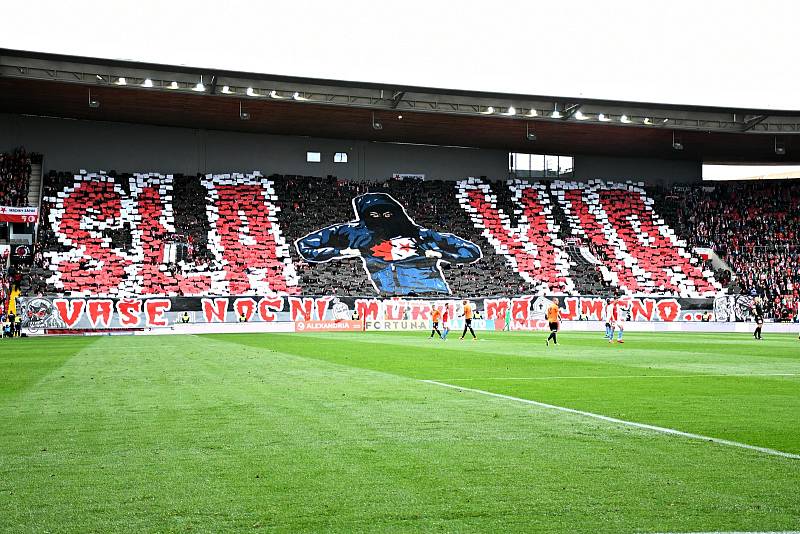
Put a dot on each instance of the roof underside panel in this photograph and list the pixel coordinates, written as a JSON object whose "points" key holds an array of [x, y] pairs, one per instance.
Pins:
{"points": [[289, 117]]}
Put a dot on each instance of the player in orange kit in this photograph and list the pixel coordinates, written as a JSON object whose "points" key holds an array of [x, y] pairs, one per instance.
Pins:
{"points": [[468, 320], [436, 316], [553, 316]]}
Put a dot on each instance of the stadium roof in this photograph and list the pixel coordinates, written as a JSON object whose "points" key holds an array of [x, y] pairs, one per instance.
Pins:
{"points": [[112, 90]]}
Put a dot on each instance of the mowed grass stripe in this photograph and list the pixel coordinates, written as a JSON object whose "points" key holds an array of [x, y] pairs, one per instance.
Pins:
{"points": [[25, 361], [757, 410], [673, 345], [613, 420], [190, 433], [681, 351]]}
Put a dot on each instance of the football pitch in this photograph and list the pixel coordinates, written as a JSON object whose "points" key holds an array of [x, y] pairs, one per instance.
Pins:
{"points": [[396, 432]]}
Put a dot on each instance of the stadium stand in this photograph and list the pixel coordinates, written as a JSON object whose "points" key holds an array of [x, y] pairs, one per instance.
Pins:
{"points": [[755, 228], [132, 243], [15, 175], [527, 245], [10, 282], [126, 235], [613, 227], [639, 251], [234, 234], [313, 203], [5, 281], [300, 204]]}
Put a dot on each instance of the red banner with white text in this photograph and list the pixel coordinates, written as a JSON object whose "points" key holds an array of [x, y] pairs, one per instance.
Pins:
{"points": [[331, 313], [18, 214]]}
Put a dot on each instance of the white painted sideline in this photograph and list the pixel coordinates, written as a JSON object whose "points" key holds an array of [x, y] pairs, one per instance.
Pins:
{"points": [[258, 327], [683, 326], [219, 328], [593, 377], [654, 428]]}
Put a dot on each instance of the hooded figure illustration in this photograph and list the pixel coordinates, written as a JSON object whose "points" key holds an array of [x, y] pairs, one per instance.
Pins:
{"points": [[400, 256]]}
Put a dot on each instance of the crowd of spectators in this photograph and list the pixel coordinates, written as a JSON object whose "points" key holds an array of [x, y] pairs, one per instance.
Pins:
{"points": [[5, 282], [15, 175], [755, 228], [34, 281], [10, 280], [308, 204], [10, 324]]}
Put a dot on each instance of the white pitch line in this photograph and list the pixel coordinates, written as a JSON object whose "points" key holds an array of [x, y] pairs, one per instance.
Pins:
{"points": [[663, 430], [592, 377], [737, 532]]}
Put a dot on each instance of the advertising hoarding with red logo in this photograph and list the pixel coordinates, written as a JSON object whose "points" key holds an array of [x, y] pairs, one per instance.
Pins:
{"points": [[328, 326]]}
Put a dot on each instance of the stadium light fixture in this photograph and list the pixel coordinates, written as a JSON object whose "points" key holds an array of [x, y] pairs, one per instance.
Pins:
{"points": [[624, 119], [556, 114], [147, 83], [297, 96], [666, 120], [580, 116], [532, 113], [530, 135], [121, 81], [511, 111], [602, 118], [488, 111], [93, 102], [199, 87], [780, 147], [400, 117], [251, 92], [226, 90], [173, 85], [243, 115], [274, 94], [677, 144], [647, 121]]}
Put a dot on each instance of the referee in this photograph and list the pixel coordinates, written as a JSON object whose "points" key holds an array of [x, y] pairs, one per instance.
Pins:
{"points": [[759, 317]]}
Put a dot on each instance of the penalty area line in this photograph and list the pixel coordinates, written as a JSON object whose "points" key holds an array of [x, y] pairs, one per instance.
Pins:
{"points": [[614, 420]]}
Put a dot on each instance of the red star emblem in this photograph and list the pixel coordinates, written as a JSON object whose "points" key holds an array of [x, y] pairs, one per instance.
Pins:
{"points": [[399, 248]]}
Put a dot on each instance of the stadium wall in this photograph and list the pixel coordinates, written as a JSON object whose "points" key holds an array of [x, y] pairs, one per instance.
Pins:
{"points": [[76, 144], [661, 171], [92, 145]]}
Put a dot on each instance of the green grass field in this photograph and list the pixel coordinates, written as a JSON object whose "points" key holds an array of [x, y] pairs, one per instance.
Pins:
{"points": [[340, 432]]}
